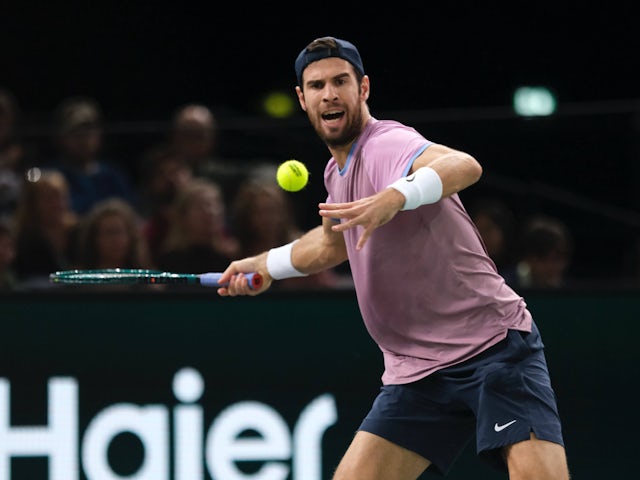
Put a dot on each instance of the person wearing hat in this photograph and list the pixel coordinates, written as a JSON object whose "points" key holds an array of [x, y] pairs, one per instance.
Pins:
{"points": [[79, 140], [462, 354]]}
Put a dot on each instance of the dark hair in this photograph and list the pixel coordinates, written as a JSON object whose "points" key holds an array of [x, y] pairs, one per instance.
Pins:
{"points": [[502, 217], [137, 256], [543, 236]]}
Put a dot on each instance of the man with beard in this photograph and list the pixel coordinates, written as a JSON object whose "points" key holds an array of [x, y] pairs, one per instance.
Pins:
{"points": [[462, 354]]}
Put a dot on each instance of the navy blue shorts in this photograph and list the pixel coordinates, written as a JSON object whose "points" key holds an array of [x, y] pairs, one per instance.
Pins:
{"points": [[500, 396]]}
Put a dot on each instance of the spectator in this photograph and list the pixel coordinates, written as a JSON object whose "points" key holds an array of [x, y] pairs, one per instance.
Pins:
{"points": [[547, 247], [15, 155], [110, 237], [198, 239], [194, 137], [496, 224], [45, 228], [8, 279], [263, 218], [164, 176], [79, 140]]}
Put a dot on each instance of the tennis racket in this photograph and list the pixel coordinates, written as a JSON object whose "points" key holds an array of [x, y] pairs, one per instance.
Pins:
{"points": [[122, 276]]}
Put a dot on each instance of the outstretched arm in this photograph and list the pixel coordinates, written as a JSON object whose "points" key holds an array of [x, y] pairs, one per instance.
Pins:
{"points": [[447, 172], [317, 250]]}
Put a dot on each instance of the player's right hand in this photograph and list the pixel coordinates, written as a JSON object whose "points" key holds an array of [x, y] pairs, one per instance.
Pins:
{"points": [[237, 281]]}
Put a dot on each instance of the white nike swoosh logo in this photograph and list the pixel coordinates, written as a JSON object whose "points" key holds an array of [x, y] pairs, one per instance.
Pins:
{"points": [[499, 428]]}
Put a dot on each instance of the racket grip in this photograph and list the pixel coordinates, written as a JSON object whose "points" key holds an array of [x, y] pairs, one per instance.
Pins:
{"points": [[213, 280]]}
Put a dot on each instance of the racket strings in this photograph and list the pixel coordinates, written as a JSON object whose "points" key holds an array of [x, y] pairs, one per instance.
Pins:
{"points": [[120, 276]]}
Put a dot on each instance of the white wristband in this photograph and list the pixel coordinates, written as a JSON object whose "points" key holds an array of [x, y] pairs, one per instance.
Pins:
{"points": [[279, 263], [420, 188]]}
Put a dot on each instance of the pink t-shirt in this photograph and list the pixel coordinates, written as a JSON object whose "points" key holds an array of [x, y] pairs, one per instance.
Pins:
{"points": [[429, 294]]}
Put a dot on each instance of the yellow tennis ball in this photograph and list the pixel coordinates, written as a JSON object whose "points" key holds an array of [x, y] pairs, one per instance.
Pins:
{"points": [[292, 175]]}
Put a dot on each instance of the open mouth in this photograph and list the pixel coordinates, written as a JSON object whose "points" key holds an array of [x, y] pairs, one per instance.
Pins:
{"points": [[332, 115]]}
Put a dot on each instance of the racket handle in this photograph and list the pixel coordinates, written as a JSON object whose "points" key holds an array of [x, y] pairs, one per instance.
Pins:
{"points": [[213, 280]]}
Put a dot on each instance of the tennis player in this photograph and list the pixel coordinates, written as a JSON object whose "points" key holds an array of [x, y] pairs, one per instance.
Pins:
{"points": [[462, 354]]}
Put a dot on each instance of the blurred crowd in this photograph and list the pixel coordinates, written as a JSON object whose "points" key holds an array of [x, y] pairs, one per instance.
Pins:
{"points": [[190, 211]]}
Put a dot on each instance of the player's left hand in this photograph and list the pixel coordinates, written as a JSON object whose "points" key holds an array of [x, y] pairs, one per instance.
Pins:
{"points": [[369, 212]]}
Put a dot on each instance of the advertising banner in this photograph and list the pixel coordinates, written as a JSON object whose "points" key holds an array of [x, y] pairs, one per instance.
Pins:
{"points": [[168, 386]]}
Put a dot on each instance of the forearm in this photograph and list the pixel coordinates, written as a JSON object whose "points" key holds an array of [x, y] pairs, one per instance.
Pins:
{"points": [[438, 173], [318, 249], [457, 170]]}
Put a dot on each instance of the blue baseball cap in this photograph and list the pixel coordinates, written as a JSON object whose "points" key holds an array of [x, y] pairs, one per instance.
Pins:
{"points": [[345, 50]]}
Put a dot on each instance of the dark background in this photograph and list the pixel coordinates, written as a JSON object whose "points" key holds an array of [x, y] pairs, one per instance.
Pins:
{"points": [[449, 69], [141, 59]]}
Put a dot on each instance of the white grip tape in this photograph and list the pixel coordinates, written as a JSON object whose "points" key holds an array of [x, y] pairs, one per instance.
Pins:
{"points": [[422, 187], [279, 263]]}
